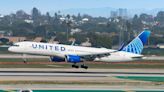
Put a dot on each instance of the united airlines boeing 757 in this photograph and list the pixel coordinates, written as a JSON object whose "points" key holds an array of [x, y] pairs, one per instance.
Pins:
{"points": [[76, 54]]}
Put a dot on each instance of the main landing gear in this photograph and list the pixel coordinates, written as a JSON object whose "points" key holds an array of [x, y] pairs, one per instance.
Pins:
{"points": [[24, 58], [81, 66], [75, 66], [84, 66]]}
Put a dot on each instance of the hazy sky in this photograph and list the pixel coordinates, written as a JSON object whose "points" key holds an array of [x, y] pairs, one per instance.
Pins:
{"points": [[8, 6]]}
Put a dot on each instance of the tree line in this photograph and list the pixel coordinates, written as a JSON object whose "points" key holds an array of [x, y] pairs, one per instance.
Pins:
{"points": [[101, 31]]}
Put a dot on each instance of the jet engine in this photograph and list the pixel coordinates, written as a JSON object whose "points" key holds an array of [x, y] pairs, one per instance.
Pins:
{"points": [[56, 59], [73, 58]]}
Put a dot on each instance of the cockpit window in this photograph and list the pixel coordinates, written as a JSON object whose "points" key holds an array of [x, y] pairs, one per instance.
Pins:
{"points": [[15, 45]]}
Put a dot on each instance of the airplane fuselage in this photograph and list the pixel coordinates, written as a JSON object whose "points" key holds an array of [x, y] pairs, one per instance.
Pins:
{"points": [[61, 50]]}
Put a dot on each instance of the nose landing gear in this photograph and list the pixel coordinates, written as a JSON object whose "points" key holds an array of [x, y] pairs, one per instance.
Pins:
{"points": [[24, 58]]}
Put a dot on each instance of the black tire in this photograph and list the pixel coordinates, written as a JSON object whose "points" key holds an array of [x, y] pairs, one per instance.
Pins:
{"points": [[76, 66], [73, 66], [83, 66]]}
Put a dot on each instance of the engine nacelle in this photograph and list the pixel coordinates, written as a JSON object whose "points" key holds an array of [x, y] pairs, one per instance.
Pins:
{"points": [[57, 59], [73, 59]]}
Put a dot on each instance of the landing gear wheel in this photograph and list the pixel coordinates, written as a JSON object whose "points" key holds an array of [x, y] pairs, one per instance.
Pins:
{"points": [[24, 61], [83, 66], [75, 66]]}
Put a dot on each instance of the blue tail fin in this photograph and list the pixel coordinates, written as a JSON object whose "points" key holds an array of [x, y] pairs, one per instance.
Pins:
{"points": [[136, 46]]}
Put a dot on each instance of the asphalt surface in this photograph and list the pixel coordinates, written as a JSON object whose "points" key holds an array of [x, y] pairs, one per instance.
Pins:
{"points": [[76, 74], [79, 72], [79, 75], [82, 87]]}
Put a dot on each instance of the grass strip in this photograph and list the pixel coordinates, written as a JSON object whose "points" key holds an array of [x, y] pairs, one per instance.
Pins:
{"points": [[141, 78]]}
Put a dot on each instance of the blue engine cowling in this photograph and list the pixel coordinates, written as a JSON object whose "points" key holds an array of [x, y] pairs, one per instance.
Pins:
{"points": [[57, 59], [73, 59]]}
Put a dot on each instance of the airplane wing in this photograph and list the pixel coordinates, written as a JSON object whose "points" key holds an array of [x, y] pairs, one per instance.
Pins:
{"points": [[96, 55]]}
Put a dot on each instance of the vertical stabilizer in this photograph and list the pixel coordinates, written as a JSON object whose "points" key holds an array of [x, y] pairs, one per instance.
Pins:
{"points": [[136, 46]]}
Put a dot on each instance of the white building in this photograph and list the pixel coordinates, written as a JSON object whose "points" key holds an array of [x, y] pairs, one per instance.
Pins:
{"points": [[161, 46], [28, 21], [85, 19], [76, 30]]}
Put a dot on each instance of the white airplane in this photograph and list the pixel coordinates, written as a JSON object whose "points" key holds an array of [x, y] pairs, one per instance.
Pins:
{"points": [[77, 54]]}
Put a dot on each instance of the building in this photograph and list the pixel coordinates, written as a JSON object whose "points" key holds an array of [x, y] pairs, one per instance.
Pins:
{"points": [[37, 39], [2, 33], [29, 21], [76, 30], [113, 14], [161, 46], [85, 19], [122, 13], [16, 39]]}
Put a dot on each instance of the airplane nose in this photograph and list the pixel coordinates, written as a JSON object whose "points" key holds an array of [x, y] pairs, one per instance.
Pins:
{"points": [[10, 49]]}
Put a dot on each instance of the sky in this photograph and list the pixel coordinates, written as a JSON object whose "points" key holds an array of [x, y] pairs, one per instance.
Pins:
{"points": [[10, 6]]}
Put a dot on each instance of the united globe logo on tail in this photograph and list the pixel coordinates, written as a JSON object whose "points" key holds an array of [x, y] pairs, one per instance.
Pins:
{"points": [[136, 46]]}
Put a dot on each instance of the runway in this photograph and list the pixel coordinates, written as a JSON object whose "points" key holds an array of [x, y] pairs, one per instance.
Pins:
{"points": [[51, 74], [76, 74], [78, 78], [79, 72]]}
